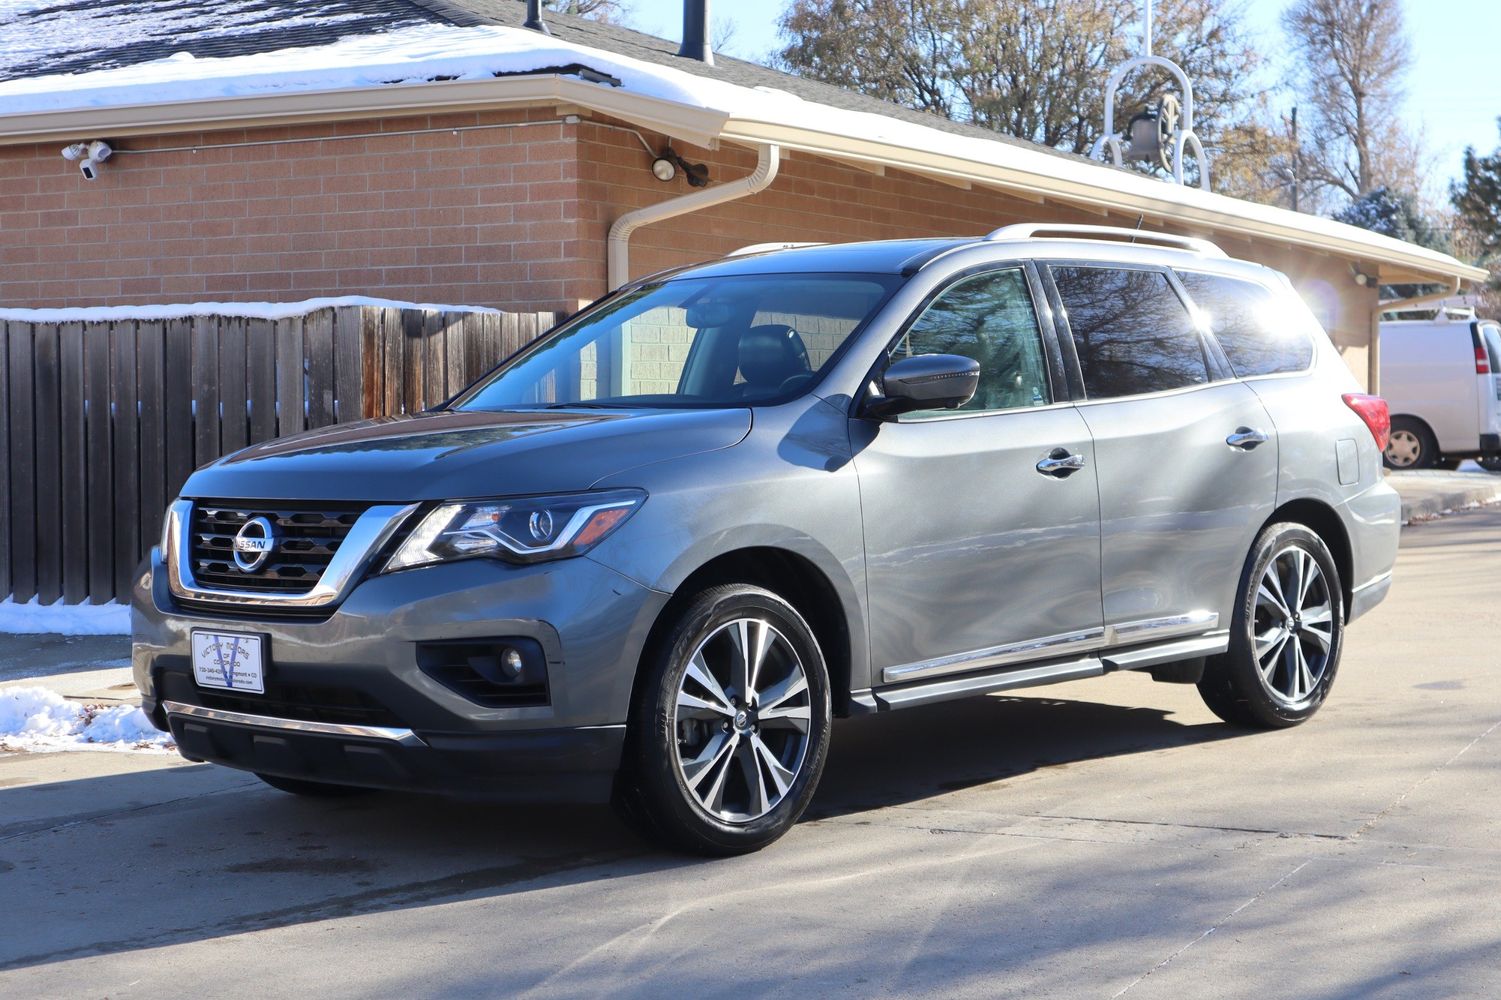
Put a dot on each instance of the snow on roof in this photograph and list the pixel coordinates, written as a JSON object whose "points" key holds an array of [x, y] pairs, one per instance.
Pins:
{"points": [[246, 310], [435, 54]]}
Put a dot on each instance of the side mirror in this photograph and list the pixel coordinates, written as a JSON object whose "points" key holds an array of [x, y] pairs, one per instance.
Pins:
{"points": [[925, 382]]}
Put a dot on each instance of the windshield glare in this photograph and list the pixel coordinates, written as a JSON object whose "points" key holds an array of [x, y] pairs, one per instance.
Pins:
{"points": [[691, 342]]}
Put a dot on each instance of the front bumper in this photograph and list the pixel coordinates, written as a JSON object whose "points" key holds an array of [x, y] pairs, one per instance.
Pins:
{"points": [[346, 701]]}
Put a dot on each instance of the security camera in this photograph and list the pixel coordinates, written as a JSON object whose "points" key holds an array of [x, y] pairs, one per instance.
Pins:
{"points": [[89, 168]]}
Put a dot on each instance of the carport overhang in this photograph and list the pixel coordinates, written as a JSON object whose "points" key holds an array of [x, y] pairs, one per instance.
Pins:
{"points": [[1042, 177]]}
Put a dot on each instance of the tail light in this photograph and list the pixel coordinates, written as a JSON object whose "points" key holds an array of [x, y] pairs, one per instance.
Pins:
{"points": [[1482, 362], [1372, 410]]}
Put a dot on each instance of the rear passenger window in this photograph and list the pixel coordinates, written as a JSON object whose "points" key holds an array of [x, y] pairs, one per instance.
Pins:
{"points": [[1131, 331], [1259, 336], [988, 317]]}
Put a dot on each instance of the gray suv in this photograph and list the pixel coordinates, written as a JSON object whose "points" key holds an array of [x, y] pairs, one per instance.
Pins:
{"points": [[652, 556]]}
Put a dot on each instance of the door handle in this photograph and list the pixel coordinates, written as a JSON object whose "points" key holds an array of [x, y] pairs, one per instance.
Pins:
{"points": [[1060, 463], [1247, 438]]}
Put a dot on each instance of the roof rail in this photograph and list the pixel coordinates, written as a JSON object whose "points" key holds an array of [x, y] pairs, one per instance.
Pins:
{"points": [[768, 247], [1059, 231]]}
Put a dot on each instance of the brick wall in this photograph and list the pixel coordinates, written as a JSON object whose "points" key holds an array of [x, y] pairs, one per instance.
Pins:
{"points": [[472, 213], [435, 217]]}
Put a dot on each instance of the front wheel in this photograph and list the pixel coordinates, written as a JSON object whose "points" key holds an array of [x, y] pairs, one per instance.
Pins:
{"points": [[1490, 463], [1285, 636], [730, 727]]}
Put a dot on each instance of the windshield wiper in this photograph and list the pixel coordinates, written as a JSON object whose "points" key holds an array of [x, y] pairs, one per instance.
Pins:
{"points": [[578, 406]]}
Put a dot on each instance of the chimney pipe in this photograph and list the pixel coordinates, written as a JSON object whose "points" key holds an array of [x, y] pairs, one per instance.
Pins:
{"points": [[534, 17], [696, 32]]}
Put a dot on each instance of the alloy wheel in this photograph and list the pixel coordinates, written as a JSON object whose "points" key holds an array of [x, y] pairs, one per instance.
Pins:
{"points": [[1403, 449], [743, 715], [1294, 626]]}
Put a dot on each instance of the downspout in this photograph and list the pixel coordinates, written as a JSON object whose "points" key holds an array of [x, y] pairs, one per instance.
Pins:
{"points": [[618, 247], [1373, 354]]}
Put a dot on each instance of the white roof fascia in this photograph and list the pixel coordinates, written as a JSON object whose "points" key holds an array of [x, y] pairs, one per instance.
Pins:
{"points": [[1037, 173], [698, 126]]}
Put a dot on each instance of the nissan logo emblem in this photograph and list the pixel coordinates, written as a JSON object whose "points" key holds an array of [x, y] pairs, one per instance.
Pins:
{"points": [[254, 543]]}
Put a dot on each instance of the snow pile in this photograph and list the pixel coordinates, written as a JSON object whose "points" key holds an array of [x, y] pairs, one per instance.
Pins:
{"points": [[32, 618], [33, 718], [246, 310]]}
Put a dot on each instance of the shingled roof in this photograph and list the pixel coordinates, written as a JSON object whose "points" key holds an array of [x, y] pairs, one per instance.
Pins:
{"points": [[46, 37], [75, 36]]}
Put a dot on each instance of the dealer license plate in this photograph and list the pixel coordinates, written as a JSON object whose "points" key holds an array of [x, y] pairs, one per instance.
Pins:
{"points": [[229, 661]]}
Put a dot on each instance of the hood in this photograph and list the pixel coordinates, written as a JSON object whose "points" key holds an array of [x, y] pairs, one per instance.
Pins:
{"points": [[453, 454]]}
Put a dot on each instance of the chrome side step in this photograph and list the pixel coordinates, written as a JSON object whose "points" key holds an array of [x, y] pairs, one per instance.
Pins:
{"points": [[1036, 675], [403, 737]]}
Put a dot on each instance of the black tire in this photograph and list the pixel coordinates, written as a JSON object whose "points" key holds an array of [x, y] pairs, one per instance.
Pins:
{"points": [[1490, 463], [1234, 685], [311, 789], [1448, 464], [652, 791], [1411, 445]]}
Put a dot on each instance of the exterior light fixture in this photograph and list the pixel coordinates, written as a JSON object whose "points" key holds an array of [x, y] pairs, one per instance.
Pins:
{"points": [[88, 156], [666, 167]]}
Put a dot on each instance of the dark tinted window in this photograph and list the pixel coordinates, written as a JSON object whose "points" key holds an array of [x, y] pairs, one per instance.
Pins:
{"points": [[1132, 332], [1259, 334], [988, 317]]}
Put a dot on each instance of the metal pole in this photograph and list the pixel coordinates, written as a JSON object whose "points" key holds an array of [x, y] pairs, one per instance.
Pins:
{"points": [[1297, 158]]}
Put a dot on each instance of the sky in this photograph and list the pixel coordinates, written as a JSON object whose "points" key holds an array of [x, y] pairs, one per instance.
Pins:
{"points": [[1454, 88]]}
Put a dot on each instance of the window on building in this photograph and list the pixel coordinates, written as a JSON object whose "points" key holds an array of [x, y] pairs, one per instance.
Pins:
{"points": [[1259, 334], [1131, 331], [988, 317]]}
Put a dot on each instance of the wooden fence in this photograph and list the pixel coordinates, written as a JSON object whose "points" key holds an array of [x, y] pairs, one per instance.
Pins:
{"points": [[103, 421]]}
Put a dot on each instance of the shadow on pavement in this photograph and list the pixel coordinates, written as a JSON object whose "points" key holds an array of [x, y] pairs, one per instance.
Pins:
{"points": [[135, 860]]}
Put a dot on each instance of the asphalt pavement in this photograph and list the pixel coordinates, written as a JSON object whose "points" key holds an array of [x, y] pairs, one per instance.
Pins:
{"points": [[1103, 838]]}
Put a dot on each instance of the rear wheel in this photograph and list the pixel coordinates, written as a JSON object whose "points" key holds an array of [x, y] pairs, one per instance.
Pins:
{"points": [[730, 728], [311, 789], [1410, 446], [1285, 636]]}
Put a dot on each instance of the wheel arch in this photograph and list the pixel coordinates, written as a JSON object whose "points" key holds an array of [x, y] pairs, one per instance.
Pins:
{"points": [[1324, 521], [788, 574]]}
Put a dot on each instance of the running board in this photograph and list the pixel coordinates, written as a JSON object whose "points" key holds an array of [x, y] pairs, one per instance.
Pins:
{"points": [[1103, 662]]}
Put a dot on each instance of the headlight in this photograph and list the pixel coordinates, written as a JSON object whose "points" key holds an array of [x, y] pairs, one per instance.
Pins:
{"points": [[524, 529]]}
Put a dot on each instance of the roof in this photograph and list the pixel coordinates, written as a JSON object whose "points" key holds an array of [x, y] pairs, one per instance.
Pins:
{"points": [[48, 37], [465, 54]]}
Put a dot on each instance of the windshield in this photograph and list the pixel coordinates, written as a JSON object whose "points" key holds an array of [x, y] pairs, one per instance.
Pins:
{"points": [[691, 342]]}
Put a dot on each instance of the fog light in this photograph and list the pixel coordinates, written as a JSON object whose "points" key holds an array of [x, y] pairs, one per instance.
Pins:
{"points": [[512, 662]]}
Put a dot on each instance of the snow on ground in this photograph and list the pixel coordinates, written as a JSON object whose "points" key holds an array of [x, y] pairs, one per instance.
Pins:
{"points": [[249, 310], [38, 720], [32, 618]]}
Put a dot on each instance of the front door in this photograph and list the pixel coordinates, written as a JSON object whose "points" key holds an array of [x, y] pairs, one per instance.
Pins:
{"points": [[982, 532], [1186, 455]]}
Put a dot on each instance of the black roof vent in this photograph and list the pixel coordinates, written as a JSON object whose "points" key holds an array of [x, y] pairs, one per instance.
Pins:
{"points": [[534, 17], [696, 32]]}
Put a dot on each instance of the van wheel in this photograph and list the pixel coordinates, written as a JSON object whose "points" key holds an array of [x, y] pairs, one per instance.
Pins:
{"points": [[311, 789], [1410, 446], [1285, 636], [1490, 463], [730, 727]]}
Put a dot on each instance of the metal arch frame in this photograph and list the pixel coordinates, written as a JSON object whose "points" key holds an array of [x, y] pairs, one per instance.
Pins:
{"points": [[1183, 136]]}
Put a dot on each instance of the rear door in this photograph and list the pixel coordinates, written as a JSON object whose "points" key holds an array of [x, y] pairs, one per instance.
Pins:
{"points": [[976, 557], [1186, 455]]}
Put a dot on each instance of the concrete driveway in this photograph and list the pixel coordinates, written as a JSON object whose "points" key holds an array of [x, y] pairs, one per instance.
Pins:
{"points": [[1096, 839]]}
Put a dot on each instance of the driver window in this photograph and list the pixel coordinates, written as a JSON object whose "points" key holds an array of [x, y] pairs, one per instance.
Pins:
{"points": [[988, 317]]}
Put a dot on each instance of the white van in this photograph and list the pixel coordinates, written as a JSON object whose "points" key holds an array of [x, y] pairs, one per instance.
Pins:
{"points": [[1441, 377]]}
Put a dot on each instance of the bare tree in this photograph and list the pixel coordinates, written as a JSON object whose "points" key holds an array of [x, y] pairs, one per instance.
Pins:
{"points": [[1353, 56], [1034, 69], [609, 11]]}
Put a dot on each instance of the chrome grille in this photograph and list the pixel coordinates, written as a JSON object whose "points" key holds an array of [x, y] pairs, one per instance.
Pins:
{"points": [[307, 538]]}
